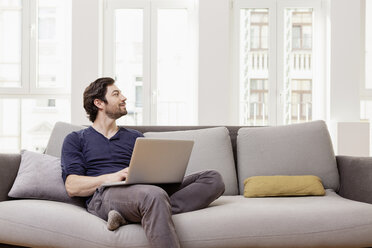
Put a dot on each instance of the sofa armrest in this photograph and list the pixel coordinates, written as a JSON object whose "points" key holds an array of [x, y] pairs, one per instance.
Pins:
{"points": [[355, 178], [9, 165]]}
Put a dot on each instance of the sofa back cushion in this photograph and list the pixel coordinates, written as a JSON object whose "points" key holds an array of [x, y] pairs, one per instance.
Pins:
{"points": [[212, 151], [58, 135], [299, 149]]}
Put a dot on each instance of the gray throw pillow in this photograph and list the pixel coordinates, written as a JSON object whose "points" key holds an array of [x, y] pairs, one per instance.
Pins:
{"points": [[39, 177], [212, 151]]}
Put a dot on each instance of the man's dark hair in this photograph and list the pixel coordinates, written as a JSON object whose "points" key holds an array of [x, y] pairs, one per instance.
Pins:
{"points": [[96, 90]]}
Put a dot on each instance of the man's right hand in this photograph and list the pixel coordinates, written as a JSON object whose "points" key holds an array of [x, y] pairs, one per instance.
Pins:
{"points": [[121, 175], [86, 185]]}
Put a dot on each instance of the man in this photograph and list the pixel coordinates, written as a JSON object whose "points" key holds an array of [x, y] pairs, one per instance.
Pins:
{"points": [[101, 154]]}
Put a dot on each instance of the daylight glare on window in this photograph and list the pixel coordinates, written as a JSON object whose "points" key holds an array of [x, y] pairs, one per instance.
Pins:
{"points": [[10, 43]]}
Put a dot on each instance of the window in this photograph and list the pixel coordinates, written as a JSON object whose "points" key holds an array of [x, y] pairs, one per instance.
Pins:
{"points": [[34, 71], [276, 49], [150, 49]]}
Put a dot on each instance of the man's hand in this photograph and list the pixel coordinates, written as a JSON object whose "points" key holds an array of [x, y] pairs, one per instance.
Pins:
{"points": [[121, 175], [86, 185]]}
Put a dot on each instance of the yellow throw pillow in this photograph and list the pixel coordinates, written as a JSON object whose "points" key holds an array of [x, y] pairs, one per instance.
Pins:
{"points": [[261, 186]]}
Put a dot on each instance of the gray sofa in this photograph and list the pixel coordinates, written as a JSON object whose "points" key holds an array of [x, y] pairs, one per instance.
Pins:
{"points": [[341, 218]]}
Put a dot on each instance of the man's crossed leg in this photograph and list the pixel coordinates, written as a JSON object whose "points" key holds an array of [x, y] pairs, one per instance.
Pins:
{"points": [[153, 208]]}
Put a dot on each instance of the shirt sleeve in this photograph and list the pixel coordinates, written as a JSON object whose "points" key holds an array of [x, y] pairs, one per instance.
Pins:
{"points": [[72, 158], [139, 134]]}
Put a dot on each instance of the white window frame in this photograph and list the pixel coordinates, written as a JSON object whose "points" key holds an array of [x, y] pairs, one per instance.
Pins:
{"points": [[149, 46], [29, 52], [29, 55], [276, 55], [265, 4]]}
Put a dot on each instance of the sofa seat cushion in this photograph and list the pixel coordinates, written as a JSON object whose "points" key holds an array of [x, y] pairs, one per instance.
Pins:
{"points": [[231, 221], [311, 221], [41, 223]]}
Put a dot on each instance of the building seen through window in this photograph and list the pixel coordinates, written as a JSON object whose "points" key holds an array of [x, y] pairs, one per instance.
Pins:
{"points": [[254, 65], [299, 74], [254, 88]]}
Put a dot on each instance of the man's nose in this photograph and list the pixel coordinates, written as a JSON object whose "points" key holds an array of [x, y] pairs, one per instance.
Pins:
{"points": [[123, 98]]}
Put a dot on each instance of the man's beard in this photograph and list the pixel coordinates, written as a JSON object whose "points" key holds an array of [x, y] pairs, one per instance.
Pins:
{"points": [[115, 114]]}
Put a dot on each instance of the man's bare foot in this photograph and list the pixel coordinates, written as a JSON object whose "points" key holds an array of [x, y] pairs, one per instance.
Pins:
{"points": [[115, 220]]}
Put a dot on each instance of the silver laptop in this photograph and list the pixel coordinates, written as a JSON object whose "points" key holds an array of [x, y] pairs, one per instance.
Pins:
{"points": [[157, 161]]}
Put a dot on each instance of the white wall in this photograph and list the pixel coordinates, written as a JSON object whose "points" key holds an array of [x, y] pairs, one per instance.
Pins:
{"points": [[215, 97], [214, 63], [346, 56], [85, 54], [349, 136]]}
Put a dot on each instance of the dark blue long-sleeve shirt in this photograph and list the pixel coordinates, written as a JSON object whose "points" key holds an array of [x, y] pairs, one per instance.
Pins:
{"points": [[89, 153]]}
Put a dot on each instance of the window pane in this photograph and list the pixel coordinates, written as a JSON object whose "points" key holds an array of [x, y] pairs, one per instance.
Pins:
{"points": [[9, 125], [175, 83], [10, 74], [301, 100], [298, 73], [302, 16], [264, 37], [129, 61], [307, 37], [259, 17], [255, 37], [53, 47], [258, 99], [38, 119], [10, 43], [254, 74], [27, 123], [10, 3], [296, 37]]}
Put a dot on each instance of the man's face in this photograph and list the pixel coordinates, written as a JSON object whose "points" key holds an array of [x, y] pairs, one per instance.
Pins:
{"points": [[115, 107]]}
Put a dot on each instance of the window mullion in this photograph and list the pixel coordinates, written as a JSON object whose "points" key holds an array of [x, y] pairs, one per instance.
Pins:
{"points": [[273, 95], [147, 58], [33, 65], [153, 62], [280, 65]]}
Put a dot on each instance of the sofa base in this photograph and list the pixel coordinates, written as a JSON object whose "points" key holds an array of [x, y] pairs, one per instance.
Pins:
{"points": [[231, 221]]}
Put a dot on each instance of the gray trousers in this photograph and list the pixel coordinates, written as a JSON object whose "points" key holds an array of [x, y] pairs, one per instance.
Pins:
{"points": [[153, 207]]}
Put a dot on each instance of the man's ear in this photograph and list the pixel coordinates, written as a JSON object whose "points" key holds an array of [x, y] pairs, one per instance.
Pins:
{"points": [[99, 103]]}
